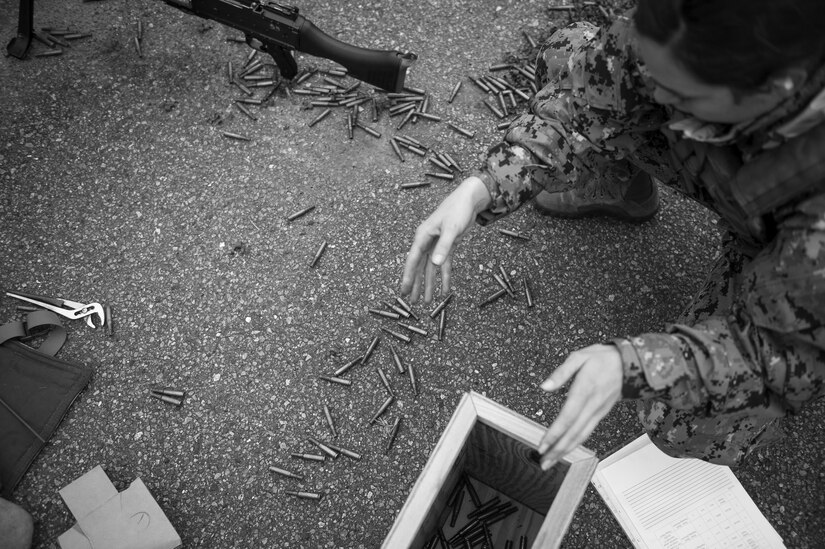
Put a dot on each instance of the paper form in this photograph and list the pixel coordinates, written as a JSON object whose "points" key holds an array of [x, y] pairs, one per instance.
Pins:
{"points": [[669, 503]]}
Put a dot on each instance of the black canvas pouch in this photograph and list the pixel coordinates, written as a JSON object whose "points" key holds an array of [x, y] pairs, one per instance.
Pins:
{"points": [[36, 389]]}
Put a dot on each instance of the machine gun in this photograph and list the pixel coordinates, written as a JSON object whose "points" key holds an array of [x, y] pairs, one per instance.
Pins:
{"points": [[275, 29]]}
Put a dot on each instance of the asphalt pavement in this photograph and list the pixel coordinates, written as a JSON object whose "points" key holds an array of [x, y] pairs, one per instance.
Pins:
{"points": [[120, 187]]}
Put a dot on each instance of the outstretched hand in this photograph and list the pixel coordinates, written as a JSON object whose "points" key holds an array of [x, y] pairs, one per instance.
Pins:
{"points": [[597, 387], [436, 237]]}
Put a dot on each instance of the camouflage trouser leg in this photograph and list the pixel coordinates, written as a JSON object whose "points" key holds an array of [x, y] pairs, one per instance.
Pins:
{"points": [[725, 439]]}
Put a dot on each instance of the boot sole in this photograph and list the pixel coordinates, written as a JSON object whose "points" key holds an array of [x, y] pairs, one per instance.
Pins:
{"points": [[596, 211]]}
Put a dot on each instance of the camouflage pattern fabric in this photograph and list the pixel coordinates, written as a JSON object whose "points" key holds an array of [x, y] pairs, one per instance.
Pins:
{"points": [[751, 347]]}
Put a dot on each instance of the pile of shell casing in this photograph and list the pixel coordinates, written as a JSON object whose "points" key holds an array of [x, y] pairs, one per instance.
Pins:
{"points": [[506, 287], [476, 530], [55, 38]]}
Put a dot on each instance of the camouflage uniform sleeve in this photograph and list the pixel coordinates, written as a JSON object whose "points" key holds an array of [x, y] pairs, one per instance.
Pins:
{"points": [[769, 349], [591, 104]]}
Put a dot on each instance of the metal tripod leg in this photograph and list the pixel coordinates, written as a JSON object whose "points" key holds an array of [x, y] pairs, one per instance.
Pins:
{"points": [[19, 45]]}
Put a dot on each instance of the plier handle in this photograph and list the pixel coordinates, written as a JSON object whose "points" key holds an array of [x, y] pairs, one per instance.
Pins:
{"points": [[64, 307]]}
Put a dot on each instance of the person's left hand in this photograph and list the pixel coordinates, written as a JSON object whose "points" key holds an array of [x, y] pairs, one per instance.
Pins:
{"points": [[597, 387]]}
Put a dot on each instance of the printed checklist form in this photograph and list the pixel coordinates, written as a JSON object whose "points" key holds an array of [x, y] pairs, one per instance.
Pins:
{"points": [[669, 503]]}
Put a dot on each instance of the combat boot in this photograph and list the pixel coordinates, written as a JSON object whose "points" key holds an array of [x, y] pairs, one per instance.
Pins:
{"points": [[635, 200]]}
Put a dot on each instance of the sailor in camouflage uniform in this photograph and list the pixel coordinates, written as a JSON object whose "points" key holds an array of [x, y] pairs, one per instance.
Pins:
{"points": [[750, 348]]}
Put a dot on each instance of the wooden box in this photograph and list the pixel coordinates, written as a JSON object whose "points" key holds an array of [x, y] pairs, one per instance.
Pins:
{"points": [[495, 449]]}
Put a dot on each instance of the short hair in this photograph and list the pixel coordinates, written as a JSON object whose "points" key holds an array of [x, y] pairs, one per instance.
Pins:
{"points": [[736, 43]]}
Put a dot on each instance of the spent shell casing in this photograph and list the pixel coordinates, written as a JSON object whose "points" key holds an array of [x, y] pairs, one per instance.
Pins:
{"points": [[412, 141], [439, 175], [374, 107], [492, 298], [441, 305], [324, 103], [349, 124], [252, 54], [323, 447], [167, 399], [338, 380], [415, 150], [462, 131], [77, 35], [441, 323], [304, 91], [43, 38], [385, 381], [244, 110], [109, 320], [454, 92], [397, 335], [416, 329], [393, 434], [506, 277], [530, 39], [58, 40], [140, 29], [508, 544], [261, 83], [493, 109], [489, 504], [370, 349], [174, 393], [480, 83], [406, 306], [303, 212], [229, 72], [512, 97], [502, 102], [396, 359], [369, 130], [405, 120], [400, 310], [49, 53], [382, 409], [500, 67], [303, 77], [514, 234], [418, 91], [236, 136], [503, 126], [236, 39], [303, 495], [439, 163], [318, 254], [320, 117], [414, 185], [522, 542], [521, 94], [471, 491], [349, 365], [137, 46], [330, 423], [428, 116], [284, 472], [456, 508], [527, 293], [452, 161], [397, 150], [413, 380], [349, 453], [503, 284], [250, 100], [336, 72], [242, 87], [309, 457]]}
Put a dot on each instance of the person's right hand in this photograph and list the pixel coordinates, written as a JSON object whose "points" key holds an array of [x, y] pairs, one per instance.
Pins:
{"points": [[437, 236]]}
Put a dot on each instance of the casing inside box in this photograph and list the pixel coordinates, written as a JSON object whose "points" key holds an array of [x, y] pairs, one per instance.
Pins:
{"points": [[495, 449]]}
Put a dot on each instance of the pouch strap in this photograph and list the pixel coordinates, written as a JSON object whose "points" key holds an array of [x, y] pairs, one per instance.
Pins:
{"points": [[28, 326]]}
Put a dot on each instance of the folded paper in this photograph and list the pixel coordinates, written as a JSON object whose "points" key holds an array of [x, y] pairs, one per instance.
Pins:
{"points": [[131, 519]]}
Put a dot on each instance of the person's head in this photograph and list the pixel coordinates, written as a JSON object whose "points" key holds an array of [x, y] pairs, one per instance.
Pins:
{"points": [[729, 60]]}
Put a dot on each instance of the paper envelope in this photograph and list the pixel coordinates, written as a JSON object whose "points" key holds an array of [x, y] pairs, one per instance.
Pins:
{"points": [[106, 519]]}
